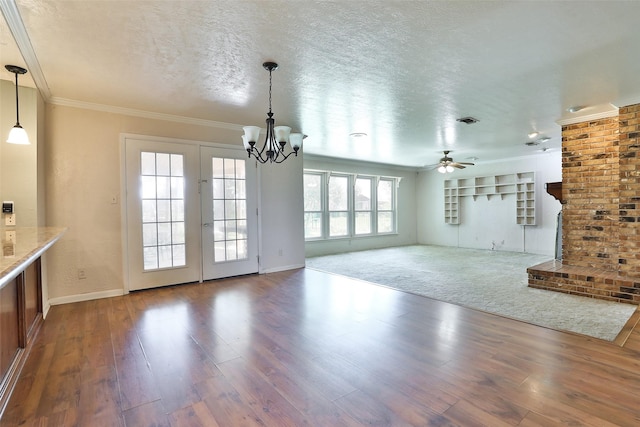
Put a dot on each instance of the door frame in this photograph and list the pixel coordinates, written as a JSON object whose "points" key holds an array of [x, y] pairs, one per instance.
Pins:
{"points": [[123, 198]]}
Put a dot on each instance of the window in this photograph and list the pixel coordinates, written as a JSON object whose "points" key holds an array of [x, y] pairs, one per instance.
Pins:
{"points": [[313, 196], [386, 205], [362, 199], [338, 206], [345, 205]]}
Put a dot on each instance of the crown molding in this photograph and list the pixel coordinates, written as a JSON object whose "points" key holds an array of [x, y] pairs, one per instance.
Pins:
{"points": [[16, 26], [143, 114], [597, 112]]}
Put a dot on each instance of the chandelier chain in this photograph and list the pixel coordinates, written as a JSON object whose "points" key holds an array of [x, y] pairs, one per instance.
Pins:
{"points": [[269, 90]]}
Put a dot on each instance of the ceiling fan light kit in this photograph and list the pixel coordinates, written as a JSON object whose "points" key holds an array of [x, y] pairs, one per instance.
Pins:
{"points": [[447, 165], [277, 137]]}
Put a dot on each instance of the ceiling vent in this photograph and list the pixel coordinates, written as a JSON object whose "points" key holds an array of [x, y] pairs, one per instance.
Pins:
{"points": [[467, 120]]}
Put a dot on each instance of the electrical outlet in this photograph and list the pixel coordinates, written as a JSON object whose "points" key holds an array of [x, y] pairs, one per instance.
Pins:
{"points": [[10, 219], [10, 236], [82, 274]]}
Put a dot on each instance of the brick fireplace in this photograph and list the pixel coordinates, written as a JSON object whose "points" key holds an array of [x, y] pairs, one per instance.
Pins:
{"points": [[601, 211]]}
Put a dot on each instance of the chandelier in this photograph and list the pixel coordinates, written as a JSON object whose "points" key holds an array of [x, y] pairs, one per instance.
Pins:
{"points": [[273, 149], [17, 135]]}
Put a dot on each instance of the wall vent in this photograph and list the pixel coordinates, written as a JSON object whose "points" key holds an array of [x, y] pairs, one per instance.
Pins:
{"points": [[468, 120]]}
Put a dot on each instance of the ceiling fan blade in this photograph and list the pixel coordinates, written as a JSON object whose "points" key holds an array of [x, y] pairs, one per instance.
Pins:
{"points": [[431, 167], [465, 163], [457, 165]]}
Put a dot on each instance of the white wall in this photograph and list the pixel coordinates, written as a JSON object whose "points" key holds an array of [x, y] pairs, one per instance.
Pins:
{"points": [[282, 215], [484, 221], [83, 174], [406, 207]]}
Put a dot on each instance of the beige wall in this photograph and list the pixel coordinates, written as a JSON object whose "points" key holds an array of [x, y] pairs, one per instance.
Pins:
{"points": [[83, 175], [19, 163]]}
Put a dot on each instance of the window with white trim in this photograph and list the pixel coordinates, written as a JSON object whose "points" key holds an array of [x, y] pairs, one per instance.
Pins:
{"points": [[341, 205], [339, 209]]}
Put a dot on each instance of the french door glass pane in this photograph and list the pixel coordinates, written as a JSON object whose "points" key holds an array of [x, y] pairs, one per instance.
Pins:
{"points": [[162, 193], [229, 209]]}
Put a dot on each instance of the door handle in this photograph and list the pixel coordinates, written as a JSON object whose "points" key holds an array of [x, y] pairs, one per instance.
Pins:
{"points": [[207, 224]]}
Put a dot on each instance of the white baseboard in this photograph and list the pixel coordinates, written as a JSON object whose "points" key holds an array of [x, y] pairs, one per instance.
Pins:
{"points": [[83, 297], [281, 268]]}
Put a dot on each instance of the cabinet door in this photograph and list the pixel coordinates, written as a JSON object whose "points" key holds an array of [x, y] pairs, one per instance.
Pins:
{"points": [[32, 298], [9, 342]]}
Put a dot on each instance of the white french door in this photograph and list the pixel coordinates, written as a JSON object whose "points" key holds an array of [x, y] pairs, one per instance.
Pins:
{"points": [[163, 213], [190, 213], [229, 213]]}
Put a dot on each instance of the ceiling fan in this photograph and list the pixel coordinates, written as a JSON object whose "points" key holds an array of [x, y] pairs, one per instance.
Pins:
{"points": [[447, 164]]}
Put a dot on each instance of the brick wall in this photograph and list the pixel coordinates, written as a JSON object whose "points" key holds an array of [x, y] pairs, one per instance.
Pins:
{"points": [[629, 225], [590, 175], [601, 214]]}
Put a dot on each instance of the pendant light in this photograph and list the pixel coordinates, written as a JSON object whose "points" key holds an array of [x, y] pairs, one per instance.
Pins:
{"points": [[17, 135], [277, 136]]}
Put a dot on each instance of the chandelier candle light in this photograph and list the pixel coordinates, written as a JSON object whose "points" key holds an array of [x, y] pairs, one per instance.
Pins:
{"points": [[277, 136], [17, 135]]}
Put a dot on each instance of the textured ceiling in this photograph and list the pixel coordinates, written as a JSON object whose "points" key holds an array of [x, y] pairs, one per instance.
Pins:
{"points": [[401, 72]]}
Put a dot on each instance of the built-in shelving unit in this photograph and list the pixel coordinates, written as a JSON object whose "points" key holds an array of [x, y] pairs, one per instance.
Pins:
{"points": [[521, 184], [526, 199], [451, 205]]}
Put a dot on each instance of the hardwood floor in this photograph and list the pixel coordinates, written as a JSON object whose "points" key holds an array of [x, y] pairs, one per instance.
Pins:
{"points": [[307, 348]]}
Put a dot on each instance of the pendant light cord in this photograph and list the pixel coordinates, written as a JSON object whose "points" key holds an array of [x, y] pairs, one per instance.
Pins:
{"points": [[17, 103]]}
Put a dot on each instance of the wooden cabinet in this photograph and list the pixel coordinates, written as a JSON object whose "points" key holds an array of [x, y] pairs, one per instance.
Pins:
{"points": [[9, 337], [20, 317], [521, 184]]}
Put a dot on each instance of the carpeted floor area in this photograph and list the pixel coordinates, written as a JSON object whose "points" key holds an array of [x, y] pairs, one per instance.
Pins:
{"points": [[492, 281]]}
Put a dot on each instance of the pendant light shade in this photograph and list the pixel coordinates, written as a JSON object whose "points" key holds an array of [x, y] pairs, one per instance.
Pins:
{"points": [[17, 135]]}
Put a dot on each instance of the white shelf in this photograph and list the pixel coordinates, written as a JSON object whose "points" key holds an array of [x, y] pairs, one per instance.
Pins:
{"points": [[521, 184], [451, 205]]}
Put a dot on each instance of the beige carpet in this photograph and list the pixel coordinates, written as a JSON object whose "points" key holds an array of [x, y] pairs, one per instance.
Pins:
{"points": [[492, 281]]}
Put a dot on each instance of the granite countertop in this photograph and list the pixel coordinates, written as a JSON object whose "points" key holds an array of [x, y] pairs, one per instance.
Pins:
{"points": [[21, 246]]}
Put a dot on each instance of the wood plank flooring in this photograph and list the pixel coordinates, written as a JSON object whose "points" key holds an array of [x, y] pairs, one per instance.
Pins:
{"points": [[306, 348]]}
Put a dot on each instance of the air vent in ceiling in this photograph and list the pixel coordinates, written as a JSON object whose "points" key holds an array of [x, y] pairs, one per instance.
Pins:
{"points": [[468, 120]]}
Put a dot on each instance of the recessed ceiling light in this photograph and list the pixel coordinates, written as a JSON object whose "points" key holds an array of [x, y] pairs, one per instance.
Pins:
{"points": [[357, 135], [575, 108], [533, 134]]}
